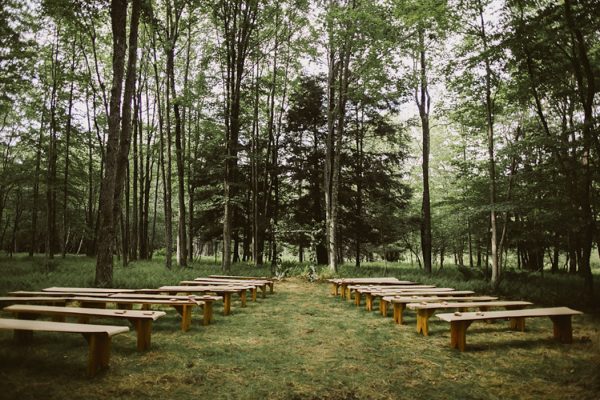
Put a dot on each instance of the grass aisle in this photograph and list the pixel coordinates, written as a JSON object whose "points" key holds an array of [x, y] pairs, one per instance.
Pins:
{"points": [[301, 343]]}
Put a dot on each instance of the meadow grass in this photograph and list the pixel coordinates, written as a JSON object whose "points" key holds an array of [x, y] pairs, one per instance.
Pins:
{"points": [[299, 343]]}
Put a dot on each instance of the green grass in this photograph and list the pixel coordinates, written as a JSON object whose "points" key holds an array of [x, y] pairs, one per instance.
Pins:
{"points": [[299, 343]]}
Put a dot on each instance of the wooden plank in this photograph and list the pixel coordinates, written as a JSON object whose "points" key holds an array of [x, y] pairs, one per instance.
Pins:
{"points": [[560, 316], [85, 290], [530, 312]]}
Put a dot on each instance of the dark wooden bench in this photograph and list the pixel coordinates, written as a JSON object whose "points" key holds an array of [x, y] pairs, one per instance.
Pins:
{"points": [[141, 320], [426, 309], [98, 337], [400, 302], [560, 316]]}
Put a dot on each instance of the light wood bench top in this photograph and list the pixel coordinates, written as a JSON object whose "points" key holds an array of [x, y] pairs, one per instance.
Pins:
{"points": [[97, 336], [85, 290], [163, 297], [265, 278], [49, 326], [128, 300], [29, 293], [423, 293], [415, 299], [530, 312], [465, 304], [199, 288], [245, 284], [33, 299], [378, 288], [234, 281], [78, 311], [460, 322], [381, 281]]}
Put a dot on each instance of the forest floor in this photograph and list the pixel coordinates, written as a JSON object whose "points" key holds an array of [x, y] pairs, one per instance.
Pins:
{"points": [[303, 343]]}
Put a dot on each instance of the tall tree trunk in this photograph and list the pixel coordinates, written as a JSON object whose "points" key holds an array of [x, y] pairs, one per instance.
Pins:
{"points": [[67, 158], [117, 146], [51, 168], [424, 103], [36, 185], [495, 280]]}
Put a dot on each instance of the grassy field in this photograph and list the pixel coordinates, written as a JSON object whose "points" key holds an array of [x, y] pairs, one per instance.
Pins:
{"points": [[302, 343]]}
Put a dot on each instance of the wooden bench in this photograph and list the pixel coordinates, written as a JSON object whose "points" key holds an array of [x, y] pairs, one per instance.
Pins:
{"points": [[248, 285], [97, 336], [560, 316], [242, 278], [400, 302], [183, 307], [52, 300], [27, 293], [338, 286], [205, 301], [141, 320], [383, 305], [88, 290], [359, 290], [426, 309], [259, 283], [223, 291]]}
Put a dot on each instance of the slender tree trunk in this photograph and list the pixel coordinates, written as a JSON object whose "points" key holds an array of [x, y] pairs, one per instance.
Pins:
{"points": [[495, 280], [36, 186], [117, 147], [67, 158], [424, 103]]}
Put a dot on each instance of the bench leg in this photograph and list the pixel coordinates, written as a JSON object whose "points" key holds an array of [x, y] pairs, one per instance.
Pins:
{"points": [[226, 303], [125, 306], [517, 324], [334, 289], [348, 294], [563, 330], [207, 313], [399, 312], [98, 352], [271, 289], [423, 321], [243, 297], [458, 334], [143, 328], [369, 302], [253, 293], [383, 306], [343, 290], [185, 310], [263, 290], [357, 298]]}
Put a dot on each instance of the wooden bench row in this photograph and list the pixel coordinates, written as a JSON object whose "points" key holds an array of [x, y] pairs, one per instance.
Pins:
{"points": [[427, 299], [27, 306]]}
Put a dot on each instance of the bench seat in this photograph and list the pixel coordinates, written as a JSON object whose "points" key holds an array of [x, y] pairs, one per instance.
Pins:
{"points": [[560, 316], [399, 302], [270, 281], [426, 309], [383, 305], [141, 320], [183, 307], [98, 337]]}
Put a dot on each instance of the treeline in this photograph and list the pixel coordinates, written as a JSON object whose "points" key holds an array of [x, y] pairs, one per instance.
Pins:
{"points": [[246, 126]]}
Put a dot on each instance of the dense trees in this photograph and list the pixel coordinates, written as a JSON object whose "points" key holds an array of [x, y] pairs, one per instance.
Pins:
{"points": [[284, 126]]}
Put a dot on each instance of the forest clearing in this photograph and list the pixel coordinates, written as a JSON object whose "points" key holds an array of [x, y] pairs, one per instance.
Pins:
{"points": [[300, 343], [164, 163]]}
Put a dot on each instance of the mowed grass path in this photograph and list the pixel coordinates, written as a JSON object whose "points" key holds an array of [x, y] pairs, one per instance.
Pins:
{"points": [[302, 343]]}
